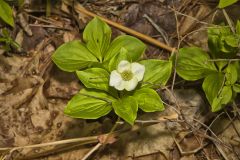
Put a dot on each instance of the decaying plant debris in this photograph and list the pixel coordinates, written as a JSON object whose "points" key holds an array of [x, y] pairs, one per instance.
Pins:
{"points": [[33, 91]]}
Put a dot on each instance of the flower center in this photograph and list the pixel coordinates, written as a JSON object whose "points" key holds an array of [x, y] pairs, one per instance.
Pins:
{"points": [[127, 75]]}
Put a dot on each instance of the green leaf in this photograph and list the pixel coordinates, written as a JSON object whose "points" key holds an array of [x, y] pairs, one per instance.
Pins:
{"points": [[212, 85], [231, 74], [222, 43], [225, 94], [126, 108], [97, 36], [222, 99], [3, 39], [237, 65], [221, 64], [96, 78], [236, 88], [134, 46], [216, 104], [6, 13], [148, 100], [193, 64], [232, 41], [157, 72], [238, 27], [89, 104], [228, 46], [5, 33], [213, 45], [73, 56], [226, 3], [117, 59]]}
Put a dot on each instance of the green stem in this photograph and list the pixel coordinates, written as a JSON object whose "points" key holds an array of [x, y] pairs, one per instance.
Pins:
{"points": [[48, 8]]}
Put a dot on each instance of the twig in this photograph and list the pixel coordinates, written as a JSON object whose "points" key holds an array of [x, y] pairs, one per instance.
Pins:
{"points": [[84, 140], [209, 127], [216, 60], [144, 37], [184, 153], [233, 124], [235, 108], [228, 20], [193, 18], [163, 34], [92, 151], [221, 150], [49, 26], [176, 58], [95, 148], [149, 154], [218, 140]]}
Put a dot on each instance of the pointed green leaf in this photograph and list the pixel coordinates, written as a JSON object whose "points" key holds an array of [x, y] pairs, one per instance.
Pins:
{"points": [[126, 108], [113, 63], [97, 36], [148, 100], [193, 64], [216, 104], [6, 13], [222, 99], [73, 56], [134, 46], [232, 40], [157, 72], [238, 28], [236, 88], [226, 3], [89, 104], [212, 85], [237, 66], [97, 78], [222, 43], [221, 64], [225, 94], [231, 74]]}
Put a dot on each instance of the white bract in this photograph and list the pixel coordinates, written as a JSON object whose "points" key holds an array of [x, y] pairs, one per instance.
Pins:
{"points": [[127, 75]]}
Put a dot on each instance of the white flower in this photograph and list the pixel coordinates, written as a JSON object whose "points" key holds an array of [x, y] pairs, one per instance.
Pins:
{"points": [[127, 75]]}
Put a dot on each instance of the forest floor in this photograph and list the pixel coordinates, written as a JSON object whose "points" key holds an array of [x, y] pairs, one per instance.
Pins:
{"points": [[34, 92]]}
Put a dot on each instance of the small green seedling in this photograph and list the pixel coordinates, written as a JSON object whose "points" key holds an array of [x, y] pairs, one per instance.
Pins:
{"points": [[113, 74], [7, 42], [219, 68]]}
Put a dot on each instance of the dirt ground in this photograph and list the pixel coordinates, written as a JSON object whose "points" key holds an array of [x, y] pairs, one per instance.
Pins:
{"points": [[34, 92]]}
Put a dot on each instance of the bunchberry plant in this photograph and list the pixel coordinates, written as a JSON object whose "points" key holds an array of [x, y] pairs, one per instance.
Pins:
{"points": [[220, 67], [113, 74]]}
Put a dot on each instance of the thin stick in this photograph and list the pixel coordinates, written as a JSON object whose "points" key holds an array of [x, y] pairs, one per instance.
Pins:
{"points": [[92, 151], [83, 140], [124, 29], [97, 146], [217, 60], [163, 33], [176, 58], [228, 20]]}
